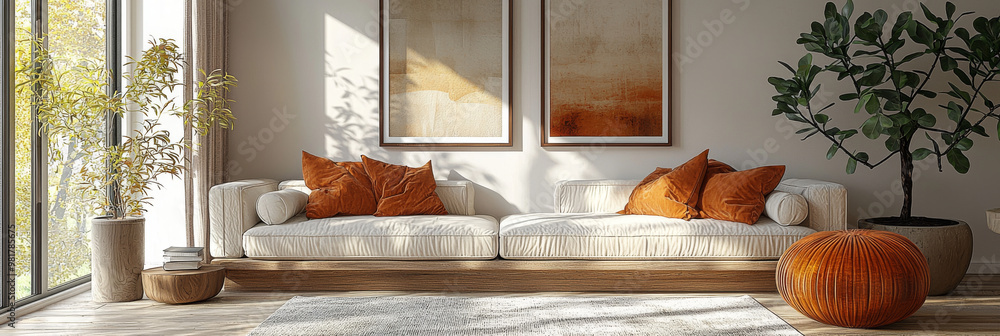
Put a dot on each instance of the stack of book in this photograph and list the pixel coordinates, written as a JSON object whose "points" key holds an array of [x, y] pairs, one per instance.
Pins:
{"points": [[182, 258]]}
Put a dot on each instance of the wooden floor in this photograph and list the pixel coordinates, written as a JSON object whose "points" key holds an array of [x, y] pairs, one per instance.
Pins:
{"points": [[974, 309]]}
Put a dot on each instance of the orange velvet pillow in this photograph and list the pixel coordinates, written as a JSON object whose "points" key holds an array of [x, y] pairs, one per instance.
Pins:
{"points": [[674, 194], [717, 167], [402, 190], [338, 188], [739, 196]]}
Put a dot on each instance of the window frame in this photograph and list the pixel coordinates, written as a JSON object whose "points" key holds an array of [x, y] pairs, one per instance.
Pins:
{"points": [[39, 249]]}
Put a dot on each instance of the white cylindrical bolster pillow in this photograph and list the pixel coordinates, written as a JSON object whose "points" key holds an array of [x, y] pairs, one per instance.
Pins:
{"points": [[276, 207], [786, 209]]}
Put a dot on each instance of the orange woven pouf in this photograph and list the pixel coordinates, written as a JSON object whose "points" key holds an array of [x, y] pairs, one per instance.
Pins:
{"points": [[855, 279]]}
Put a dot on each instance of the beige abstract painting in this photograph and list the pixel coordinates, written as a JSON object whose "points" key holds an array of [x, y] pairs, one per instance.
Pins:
{"points": [[446, 68], [606, 68]]}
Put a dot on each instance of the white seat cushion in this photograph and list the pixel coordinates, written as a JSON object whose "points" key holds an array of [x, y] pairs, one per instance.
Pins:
{"points": [[629, 237], [369, 237]]}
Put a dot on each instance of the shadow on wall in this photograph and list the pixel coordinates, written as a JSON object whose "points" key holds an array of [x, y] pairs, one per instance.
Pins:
{"points": [[351, 129]]}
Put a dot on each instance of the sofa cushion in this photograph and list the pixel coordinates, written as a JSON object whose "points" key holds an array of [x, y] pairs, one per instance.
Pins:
{"points": [[674, 194], [276, 207], [339, 188], [369, 237], [402, 190], [739, 196], [622, 237], [785, 208]]}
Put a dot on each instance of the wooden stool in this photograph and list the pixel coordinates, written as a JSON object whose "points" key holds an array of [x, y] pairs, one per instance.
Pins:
{"points": [[176, 287]]}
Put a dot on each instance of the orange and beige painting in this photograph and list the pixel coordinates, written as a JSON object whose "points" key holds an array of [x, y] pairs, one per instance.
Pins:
{"points": [[446, 68], [606, 68]]}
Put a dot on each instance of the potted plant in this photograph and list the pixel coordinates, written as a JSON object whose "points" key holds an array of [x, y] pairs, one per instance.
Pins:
{"points": [[73, 106], [889, 67]]}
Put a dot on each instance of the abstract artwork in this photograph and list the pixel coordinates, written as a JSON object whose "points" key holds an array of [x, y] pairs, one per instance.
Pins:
{"points": [[445, 73], [606, 69]]}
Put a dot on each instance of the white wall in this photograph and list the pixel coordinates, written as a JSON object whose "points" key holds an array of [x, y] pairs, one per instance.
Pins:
{"points": [[308, 72], [165, 224]]}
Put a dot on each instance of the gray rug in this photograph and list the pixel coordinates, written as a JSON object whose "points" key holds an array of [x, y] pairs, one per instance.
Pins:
{"points": [[534, 315]]}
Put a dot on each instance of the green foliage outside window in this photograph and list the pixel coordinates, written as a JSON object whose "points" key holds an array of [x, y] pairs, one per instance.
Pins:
{"points": [[66, 82]]}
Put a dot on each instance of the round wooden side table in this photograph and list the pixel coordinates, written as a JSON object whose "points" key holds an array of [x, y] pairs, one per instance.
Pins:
{"points": [[176, 287]]}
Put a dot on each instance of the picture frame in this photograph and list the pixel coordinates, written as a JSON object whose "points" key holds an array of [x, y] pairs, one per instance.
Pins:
{"points": [[601, 91], [445, 74]]}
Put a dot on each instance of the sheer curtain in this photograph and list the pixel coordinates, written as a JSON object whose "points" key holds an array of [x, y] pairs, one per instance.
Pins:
{"points": [[206, 47]]}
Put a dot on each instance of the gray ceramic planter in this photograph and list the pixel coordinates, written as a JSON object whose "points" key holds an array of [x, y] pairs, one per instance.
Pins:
{"points": [[948, 250]]}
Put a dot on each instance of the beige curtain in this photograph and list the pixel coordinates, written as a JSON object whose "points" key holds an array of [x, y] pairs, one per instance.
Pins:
{"points": [[206, 39]]}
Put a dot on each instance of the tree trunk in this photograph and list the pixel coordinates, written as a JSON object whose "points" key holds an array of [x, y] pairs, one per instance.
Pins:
{"points": [[906, 159]]}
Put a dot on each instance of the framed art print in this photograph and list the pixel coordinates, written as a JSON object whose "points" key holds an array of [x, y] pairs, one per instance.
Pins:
{"points": [[445, 73], [606, 73]]}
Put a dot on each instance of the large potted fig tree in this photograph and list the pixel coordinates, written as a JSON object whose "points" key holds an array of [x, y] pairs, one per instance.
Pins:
{"points": [[73, 107], [893, 70]]}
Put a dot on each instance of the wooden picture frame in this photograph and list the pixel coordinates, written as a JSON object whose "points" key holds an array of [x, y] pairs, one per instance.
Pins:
{"points": [[603, 90], [438, 74]]}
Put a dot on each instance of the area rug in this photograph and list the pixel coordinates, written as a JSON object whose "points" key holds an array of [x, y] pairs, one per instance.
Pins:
{"points": [[517, 315]]}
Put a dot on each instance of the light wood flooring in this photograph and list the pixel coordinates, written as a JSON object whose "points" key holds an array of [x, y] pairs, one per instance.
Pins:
{"points": [[974, 309]]}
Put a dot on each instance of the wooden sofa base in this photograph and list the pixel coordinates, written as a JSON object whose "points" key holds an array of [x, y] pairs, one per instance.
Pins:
{"points": [[500, 276]]}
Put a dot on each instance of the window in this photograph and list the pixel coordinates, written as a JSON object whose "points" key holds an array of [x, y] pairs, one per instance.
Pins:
{"points": [[51, 226]]}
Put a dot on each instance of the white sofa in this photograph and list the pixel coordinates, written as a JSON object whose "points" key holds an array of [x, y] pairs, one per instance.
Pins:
{"points": [[237, 231], [583, 226]]}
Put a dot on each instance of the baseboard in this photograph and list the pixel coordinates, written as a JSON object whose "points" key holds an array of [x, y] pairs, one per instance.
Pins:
{"points": [[984, 268]]}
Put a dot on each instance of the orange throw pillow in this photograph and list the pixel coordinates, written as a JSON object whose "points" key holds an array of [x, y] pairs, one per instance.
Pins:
{"points": [[338, 188], [402, 190], [717, 167], [739, 196], [674, 194]]}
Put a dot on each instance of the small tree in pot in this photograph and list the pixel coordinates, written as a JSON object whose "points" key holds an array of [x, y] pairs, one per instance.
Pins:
{"points": [[73, 107], [890, 67]]}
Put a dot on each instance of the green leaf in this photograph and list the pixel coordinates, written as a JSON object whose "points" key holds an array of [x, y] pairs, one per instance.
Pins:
{"points": [[950, 9], [927, 13], [849, 96], [884, 121], [822, 118], [852, 166], [964, 145], [954, 112], [962, 94], [805, 61], [844, 135], [862, 157], [958, 160], [927, 120], [874, 77], [911, 57], [892, 144], [962, 76], [948, 63], [872, 107], [848, 9], [928, 94], [922, 153], [871, 128], [830, 11], [863, 102], [832, 152]]}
